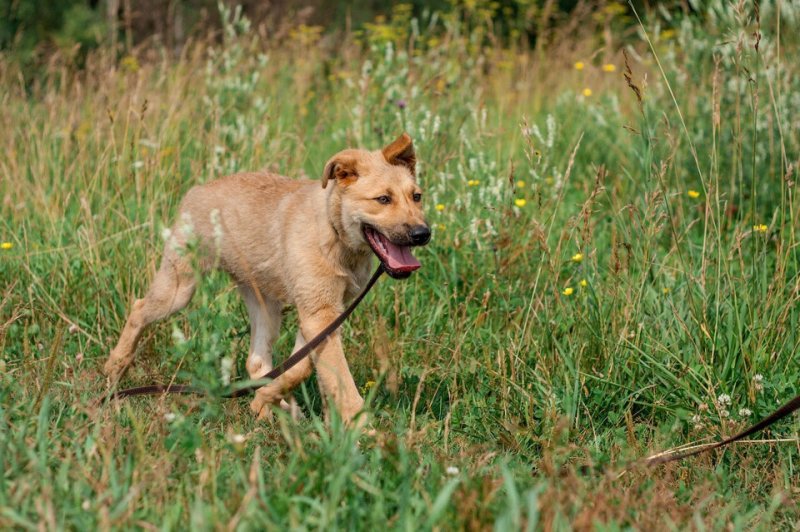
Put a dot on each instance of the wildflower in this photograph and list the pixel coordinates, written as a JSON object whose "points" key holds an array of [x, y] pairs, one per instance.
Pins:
{"points": [[452, 470], [758, 382], [584, 283], [578, 257], [130, 63], [169, 417], [568, 291], [367, 386], [667, 34], [665, 290], [760, 228], [579, 65], [79, 357], [440, 227], [587, 92], [6, 245], [724, 399], [520, 184], [237, 438], [608, 67], [724, 413], [696, 421], [693, 194], [401, 104], [439, 207], [473, 183], [520, 202], [745, 412]]}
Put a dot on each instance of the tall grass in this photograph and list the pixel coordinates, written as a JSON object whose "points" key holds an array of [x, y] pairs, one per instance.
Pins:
{"points": [[614, 270]]}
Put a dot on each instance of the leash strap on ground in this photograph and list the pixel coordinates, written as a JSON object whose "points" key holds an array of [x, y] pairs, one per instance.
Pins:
{"points": [[663, 458], [276, 372]]}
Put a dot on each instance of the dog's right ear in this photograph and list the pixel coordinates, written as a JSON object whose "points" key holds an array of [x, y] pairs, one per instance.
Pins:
{"points": [[342, 168]]}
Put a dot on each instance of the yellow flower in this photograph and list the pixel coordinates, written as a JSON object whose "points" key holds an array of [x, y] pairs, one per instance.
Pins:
{"points": [[520, 202], [439, 207], [367, 386], [667, 34], [693, 194], [665, 290], [473, 183], [520, 184], [579, 65], [584, 283], [578, 257], [568, 291], [587, 92], [6, 245], [440, 227], [760, 228], [608, 67]]}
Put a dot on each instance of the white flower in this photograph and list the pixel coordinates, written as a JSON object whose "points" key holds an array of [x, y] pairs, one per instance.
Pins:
{"points": [[452, 470], [758, 377], [724, 399], [724, 413], [238, 439], [745, 412], [169, 417]]}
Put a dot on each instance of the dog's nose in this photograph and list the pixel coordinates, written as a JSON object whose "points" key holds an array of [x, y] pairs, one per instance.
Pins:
{"points": [[420, 235]]}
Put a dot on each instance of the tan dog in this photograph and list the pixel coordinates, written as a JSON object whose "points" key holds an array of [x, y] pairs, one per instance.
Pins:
{"points": [[291, 242]]}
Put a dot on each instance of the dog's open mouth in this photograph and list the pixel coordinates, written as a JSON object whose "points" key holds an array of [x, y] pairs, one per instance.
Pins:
{"points": [[398, 261]]}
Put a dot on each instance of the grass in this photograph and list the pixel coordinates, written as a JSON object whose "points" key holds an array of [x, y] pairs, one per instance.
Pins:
{"points": [[501, 397]]}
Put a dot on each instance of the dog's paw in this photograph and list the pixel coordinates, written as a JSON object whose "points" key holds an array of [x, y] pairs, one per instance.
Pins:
{"points": [[293, 409]]}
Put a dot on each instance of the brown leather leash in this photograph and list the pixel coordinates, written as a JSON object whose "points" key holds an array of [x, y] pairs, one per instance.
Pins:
{"points": [[276, 372], [665, 457]]}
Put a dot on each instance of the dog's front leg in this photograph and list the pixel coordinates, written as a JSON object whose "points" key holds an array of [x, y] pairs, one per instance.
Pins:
{"points": [[333, 374], [335, 381]]}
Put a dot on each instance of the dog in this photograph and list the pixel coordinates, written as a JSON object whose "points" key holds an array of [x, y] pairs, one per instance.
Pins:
{"points": [[291, 242]]}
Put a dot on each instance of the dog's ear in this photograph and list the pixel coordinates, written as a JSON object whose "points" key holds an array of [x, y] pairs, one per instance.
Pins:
{"points": [[401, 152], [342, 168]]}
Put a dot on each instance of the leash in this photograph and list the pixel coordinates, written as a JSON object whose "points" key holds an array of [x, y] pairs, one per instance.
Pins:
{"points": [[667, 456], [280, 369]]}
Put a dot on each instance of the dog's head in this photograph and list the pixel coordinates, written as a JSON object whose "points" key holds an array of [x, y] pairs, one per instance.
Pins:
{"points": [[378, 204]]}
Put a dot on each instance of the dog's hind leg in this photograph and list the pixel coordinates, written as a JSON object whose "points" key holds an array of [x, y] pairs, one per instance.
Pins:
{"points": [[171, 290]]}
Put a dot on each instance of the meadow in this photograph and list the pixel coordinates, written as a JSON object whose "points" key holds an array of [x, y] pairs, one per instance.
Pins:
{"points": [[613, 272]]}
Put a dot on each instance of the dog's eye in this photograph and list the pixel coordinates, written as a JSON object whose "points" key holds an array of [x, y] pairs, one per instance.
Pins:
{"points": [[417, 197], [383, 200]]}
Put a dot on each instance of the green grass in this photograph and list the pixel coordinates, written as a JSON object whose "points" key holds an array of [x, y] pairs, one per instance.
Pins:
{"points": [[481, 361]]}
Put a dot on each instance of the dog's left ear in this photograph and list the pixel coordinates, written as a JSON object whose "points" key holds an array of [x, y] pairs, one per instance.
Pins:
{"points": [[401, 152]]}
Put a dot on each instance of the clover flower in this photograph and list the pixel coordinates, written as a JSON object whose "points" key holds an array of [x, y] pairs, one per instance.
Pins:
{"points": [[724, 399], [745, 412]]}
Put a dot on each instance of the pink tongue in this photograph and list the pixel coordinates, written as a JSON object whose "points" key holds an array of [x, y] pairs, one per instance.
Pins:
{"points": [[399, 257]]}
